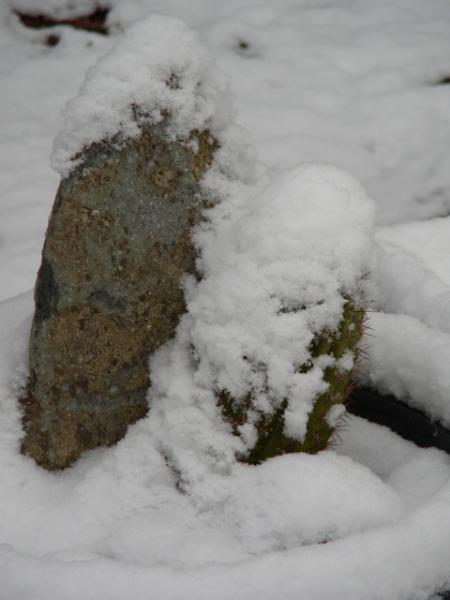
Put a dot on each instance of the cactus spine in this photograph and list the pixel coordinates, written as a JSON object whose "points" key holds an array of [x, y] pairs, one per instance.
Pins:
{"points": [[271, 438]]}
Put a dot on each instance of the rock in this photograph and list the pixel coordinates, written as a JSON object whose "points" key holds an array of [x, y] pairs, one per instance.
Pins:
{"points": [[108, 290], [132, 151], [93, 20]]}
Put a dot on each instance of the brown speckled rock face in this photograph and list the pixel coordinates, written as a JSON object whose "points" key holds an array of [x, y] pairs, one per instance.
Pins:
{"points": [[108, 291]]}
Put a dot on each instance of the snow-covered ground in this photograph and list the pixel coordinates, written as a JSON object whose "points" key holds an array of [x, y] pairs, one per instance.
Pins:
{"points": [[351, 83]]}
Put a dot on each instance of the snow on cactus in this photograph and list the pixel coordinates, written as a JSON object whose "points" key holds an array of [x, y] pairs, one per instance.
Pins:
{"points": [[266, 350]]}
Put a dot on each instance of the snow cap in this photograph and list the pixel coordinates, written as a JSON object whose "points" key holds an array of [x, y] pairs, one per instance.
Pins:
{"points": [[158, 67]]}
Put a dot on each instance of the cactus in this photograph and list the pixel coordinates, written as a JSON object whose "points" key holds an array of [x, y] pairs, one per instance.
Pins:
{"points": [[271, 438]]}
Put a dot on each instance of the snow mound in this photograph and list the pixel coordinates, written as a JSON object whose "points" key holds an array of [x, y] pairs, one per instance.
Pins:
{"points": [[287, 502], [412, 271], [277, 266], [298, 499], [157, 68], [409, 360]]}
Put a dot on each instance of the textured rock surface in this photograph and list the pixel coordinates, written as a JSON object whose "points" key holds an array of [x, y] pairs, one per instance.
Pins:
{"points": [[108, 290]]}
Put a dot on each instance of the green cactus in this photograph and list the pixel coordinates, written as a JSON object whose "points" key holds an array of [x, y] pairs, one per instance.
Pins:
{"points": [[271, 439]]}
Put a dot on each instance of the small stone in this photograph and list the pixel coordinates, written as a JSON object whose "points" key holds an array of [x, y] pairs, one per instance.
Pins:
{"points": [[94, 21], [108, 291]]}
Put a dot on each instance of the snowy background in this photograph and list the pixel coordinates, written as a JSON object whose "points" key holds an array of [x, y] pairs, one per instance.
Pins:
{"points": [[352, 83]]}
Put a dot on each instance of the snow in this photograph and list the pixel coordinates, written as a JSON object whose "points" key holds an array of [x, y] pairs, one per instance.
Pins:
{"points": [[115, 525], [410, 360], [413, 272], [160, 67], [409, 344], [352, 84], [276, 269]]}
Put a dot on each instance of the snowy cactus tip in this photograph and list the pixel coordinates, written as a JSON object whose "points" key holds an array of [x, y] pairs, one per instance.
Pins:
{"points": [[334, 352], [279, 314]]}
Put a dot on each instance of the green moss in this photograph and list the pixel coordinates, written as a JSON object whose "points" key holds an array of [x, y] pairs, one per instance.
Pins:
{"points": [[271, 439]]}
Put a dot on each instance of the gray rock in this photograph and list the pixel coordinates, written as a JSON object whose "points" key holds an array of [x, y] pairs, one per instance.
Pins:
{"points": [[108, 290]]}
